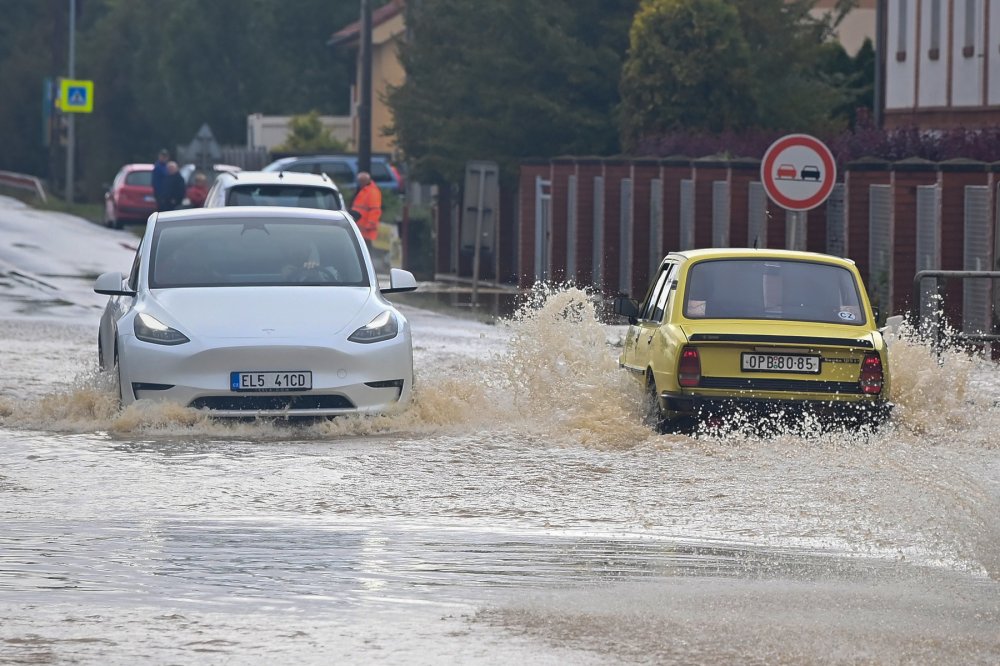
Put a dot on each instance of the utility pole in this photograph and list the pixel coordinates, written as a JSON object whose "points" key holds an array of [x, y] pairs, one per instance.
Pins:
{"points": [[878, 100], [71, 119], [365, 97]]}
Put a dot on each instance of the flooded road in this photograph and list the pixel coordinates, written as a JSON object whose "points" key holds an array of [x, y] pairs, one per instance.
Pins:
{"points": [[516, 511]]}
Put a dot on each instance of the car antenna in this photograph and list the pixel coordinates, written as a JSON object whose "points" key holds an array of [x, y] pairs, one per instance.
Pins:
{"points": [[755, 238]]}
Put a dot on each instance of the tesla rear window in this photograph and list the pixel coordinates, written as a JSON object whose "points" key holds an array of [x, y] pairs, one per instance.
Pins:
{"points": [[301, 196], [772, 289], [256, 252], [142, 178]]}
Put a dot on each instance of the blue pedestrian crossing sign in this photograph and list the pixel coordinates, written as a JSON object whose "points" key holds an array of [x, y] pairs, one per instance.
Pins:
{"points": [[76, 96]]}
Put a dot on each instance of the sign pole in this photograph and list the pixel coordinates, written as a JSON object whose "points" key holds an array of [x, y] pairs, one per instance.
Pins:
{"points": [[71, 121]]}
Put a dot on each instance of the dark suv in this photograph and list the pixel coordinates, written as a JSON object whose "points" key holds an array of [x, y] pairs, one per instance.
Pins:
{"points": [[342, 169]]}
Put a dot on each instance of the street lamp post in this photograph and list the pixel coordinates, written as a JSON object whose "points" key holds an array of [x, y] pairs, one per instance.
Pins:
{"points": [[365, 101], [71, 120]]}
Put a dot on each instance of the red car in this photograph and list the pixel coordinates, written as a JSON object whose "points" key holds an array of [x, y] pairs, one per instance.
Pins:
{"points": [[130, 198]]}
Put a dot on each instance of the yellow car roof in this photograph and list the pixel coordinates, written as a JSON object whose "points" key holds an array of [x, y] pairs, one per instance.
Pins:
{"points": [[763, 253]]}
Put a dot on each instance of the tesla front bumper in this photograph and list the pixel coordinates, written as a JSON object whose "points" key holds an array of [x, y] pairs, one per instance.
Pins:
{"points": [[347, 377]]}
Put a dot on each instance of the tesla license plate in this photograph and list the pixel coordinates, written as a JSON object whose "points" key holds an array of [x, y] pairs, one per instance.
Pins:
{"points": [[780, 363], [295, 380]]}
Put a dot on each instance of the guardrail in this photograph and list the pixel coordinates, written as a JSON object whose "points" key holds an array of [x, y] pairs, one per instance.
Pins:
{"points": [[23, 181], [962, 275]]}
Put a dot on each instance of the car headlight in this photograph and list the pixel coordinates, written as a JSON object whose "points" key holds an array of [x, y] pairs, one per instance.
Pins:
{"points": [[150, 329], [382, 327]]}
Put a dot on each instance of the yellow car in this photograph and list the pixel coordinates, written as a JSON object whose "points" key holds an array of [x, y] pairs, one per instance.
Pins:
{"points": [[764, 332]]}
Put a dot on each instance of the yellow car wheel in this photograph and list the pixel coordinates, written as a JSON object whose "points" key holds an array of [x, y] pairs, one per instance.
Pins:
{"points": [[653, 415]]}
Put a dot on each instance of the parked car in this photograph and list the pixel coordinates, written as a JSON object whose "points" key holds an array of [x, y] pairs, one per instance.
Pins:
{"points": [[196, 191], [189, 171], [342, 169], [724, 331], [256, 311], [260, 188], [129, 199]]}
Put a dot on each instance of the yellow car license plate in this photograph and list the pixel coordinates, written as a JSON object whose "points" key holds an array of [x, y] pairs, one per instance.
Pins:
{"points": [[757, 362]]}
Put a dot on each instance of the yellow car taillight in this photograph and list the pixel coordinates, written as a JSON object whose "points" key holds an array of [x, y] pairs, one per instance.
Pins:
{"points": [[871, 374], [689, 368]]}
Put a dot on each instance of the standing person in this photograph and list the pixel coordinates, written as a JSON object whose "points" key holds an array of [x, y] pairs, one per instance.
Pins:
{"points": [[173, 188], [367, 208], [160, 178]]}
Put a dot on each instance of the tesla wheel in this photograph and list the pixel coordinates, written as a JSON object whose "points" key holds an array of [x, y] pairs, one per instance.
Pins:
{"points": [[116, 368]]}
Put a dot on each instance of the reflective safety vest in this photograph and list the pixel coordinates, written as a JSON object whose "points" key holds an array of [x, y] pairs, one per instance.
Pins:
{"points": [[368, 203]]}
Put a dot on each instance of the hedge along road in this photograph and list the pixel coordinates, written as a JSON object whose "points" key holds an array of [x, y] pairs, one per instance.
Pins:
{"points": [[516, 511]]}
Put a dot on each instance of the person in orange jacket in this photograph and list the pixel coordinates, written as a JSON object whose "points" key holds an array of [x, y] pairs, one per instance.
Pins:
{"points": [[367, 208]]}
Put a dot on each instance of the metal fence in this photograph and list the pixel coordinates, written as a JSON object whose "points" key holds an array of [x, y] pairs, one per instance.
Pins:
{"points": [[880, 246], [687, 215], [836, 222], [720, 213], [598, 257], [977, 304], [626, 231], [756, 215], [655, 224], [928, 244]]}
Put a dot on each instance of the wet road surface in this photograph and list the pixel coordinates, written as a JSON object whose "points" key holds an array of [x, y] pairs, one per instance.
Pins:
{"points": [[517, 511]]}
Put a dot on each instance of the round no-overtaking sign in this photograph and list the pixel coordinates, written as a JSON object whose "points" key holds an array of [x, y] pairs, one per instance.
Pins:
{"points": [[798, 172]]}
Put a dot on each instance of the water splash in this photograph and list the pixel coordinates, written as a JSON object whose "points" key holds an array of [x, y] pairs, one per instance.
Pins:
{"points": [[551, 375]]}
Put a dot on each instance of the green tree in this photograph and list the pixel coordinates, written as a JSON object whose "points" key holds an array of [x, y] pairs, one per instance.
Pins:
{"points": [[306, 134], [713, 65], [161, 69], [507, 80], [688, 67]]}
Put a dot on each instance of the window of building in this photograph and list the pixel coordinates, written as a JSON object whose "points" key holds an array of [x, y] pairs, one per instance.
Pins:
{"points": [[969, 43], [901, 26], [934, 52]]}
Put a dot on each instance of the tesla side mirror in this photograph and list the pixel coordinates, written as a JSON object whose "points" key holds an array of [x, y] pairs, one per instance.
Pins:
{"points": [[626, 307], [399, 281], [112, 284]]}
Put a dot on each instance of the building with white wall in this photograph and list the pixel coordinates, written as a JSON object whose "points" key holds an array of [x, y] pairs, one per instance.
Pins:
{"points": [[270, 132], [941, 61]]}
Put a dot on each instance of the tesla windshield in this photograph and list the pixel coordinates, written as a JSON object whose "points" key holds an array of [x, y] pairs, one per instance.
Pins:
{"points": [[255, 252]]}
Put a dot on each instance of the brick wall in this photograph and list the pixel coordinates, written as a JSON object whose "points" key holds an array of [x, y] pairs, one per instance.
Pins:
{"points": [[643, 173], [955, 176], [673, 170], [741, 174], [907, 175], [526, 247], [706, 173], [614, 171], [562, 169], [903, 178], [859, 176]]}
